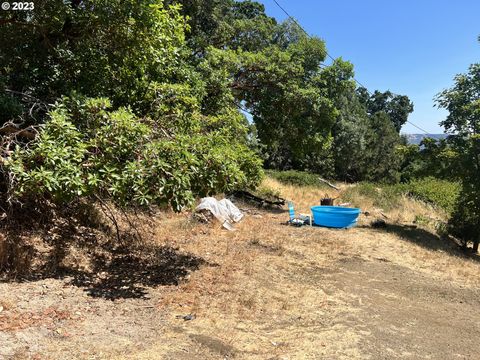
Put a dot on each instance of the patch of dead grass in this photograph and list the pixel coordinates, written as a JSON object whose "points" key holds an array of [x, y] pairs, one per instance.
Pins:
{"points": [[263, 291], [263, 298]]}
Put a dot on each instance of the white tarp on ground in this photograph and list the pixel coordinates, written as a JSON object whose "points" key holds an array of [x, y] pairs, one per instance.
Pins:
{"points": [[224, 210]]}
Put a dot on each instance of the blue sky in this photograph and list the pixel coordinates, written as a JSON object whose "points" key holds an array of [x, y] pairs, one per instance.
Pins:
{"points": [[410, 47]]}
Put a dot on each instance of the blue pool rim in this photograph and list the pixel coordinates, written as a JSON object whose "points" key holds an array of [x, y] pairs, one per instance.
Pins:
{"points": [[335, 216]]}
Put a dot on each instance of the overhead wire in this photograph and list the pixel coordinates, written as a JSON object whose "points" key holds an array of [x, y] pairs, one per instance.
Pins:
{"points": [[333, 59]]}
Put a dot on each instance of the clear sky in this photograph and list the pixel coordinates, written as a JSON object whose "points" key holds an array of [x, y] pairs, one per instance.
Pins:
{"points": [[409, 47]]}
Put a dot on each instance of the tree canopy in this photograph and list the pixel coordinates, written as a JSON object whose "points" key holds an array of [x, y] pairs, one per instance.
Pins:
{"points": [[171, 80], [462, 101], [397, 107], [118, 106]]}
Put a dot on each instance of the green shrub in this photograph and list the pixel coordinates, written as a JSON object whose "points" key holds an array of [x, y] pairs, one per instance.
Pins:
{"points": [[294, 177], [440, 193], [85, 149], [53, 164]]}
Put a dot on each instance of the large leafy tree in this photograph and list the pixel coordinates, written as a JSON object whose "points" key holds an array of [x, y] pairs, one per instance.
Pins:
{"points": [[276, 72], [156, 141], [366, 147], [432, 158], [227, 24], [292, 101], [397, 107], [350, 139], [462, 101], [382, 160], [97, 48], [298, 104]]}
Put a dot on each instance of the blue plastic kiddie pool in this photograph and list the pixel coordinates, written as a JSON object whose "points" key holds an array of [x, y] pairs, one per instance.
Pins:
{"points": [[335, 216]]}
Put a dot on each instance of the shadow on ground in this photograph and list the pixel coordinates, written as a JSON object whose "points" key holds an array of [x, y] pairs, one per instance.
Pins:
{"points": [[128, 275], [117, 274], [428, 240], [92, 257]]}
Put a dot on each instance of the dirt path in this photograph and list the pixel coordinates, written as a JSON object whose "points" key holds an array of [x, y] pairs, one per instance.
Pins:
{"points": [[406, 314], [266, 291]]}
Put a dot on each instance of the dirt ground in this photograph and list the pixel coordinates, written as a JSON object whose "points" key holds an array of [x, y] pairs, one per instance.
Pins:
{"points": [[264, 291]]}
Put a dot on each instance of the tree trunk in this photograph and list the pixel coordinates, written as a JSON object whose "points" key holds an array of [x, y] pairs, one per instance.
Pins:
{"points": [[475, 244]]}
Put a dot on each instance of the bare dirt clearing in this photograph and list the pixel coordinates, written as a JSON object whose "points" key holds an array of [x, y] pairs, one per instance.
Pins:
{"points": [[265, 291]]}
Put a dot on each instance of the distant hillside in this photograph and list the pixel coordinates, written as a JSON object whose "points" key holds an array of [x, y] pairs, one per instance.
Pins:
{"points": [[417, 138]]}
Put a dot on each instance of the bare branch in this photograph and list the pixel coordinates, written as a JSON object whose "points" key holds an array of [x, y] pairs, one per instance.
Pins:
{"points": [[328, 183]]}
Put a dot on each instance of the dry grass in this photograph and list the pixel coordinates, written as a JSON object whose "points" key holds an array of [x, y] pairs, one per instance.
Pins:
{"points": [[264, 290], [248, 301], [411, 239], [260, 296], [408, 211]]}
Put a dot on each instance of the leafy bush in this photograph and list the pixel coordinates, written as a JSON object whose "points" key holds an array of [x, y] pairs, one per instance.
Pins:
{"points": [[120, 48], [463, 223], [441, 193], [53, 164], [85, 149], [294, 177]]}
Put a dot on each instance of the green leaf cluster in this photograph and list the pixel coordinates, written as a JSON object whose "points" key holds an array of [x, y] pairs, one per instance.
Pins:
{"points": [[441, 193], [88, 150], [462, 101], [149, 91]]}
